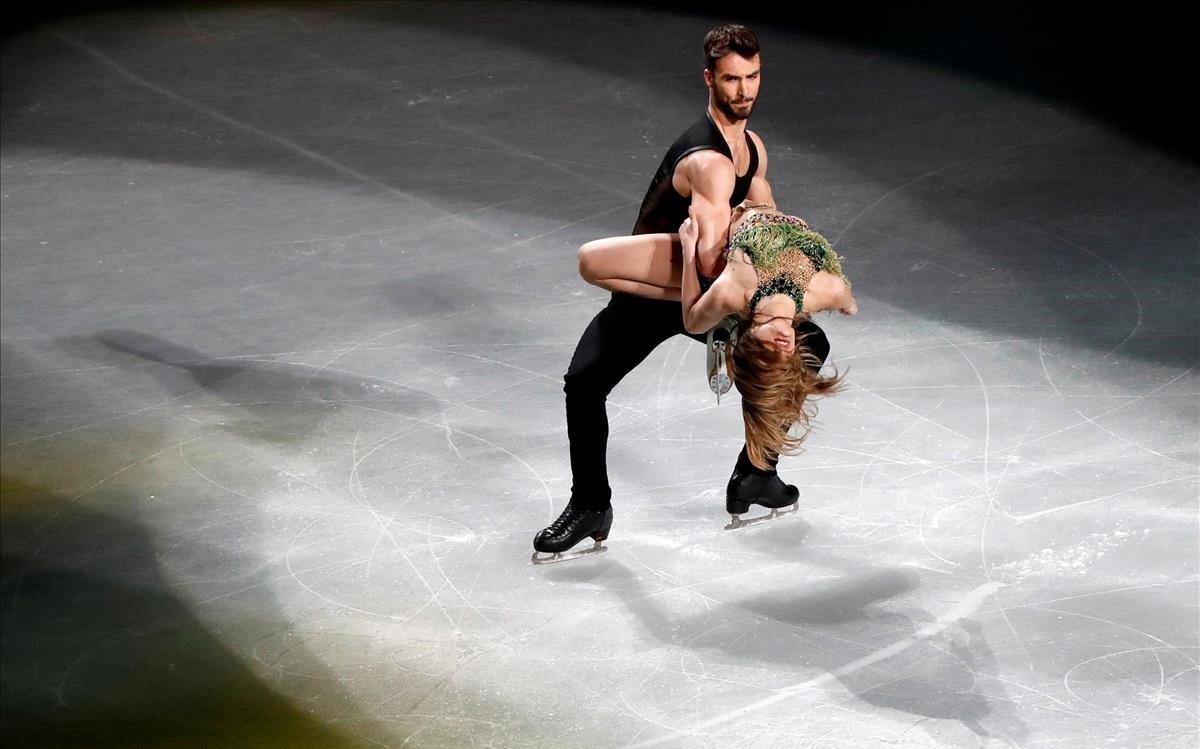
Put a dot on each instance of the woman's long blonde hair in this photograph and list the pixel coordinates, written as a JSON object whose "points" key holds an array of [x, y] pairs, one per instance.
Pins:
{"points": [[775, 394]]}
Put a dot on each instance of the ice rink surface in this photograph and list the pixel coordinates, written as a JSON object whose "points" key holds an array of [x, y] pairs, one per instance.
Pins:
{"points": [[288, 294]]}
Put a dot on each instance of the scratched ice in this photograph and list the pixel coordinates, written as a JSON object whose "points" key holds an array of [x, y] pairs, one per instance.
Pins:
{"points": [[288, 294]]}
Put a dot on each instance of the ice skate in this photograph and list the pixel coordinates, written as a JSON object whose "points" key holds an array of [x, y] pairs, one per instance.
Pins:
{"points": [[767, 490], [719, 342], [572, 527], [736, 520]]}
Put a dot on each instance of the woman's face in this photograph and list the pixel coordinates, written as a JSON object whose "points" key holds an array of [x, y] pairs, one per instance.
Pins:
{"points": [[776, 331]]}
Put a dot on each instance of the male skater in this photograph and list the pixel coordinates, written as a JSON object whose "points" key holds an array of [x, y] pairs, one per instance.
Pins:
{"points": [[712, 167]]}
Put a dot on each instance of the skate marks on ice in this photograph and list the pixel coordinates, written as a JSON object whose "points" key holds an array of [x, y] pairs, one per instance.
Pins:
{"points": [[974, 710], [281, 142], [103, 643], [286, 516], [323, 431], [262, 398], [824, 628], [1129, 660], [894, 656]]}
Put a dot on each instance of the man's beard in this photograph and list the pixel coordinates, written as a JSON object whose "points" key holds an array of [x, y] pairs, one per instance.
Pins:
{"points": [[727, 108]]}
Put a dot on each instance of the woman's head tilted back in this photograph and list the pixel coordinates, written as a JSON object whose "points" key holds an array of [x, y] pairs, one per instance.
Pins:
{"points": [[775, 385]]}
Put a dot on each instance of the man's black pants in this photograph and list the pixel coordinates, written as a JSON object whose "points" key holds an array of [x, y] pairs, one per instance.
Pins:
{"points": [[619, 338]]}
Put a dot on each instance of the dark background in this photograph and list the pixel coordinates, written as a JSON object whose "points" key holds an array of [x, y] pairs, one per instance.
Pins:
{"points": [[1124, 63], [1127, 64]]}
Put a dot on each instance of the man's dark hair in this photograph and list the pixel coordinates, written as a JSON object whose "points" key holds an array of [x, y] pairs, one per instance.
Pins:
{"points": [[726, 39]]}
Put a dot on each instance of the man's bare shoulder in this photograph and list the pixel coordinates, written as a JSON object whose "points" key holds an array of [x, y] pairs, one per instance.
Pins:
{"points": [[704, 160], [708, 172], [761, 174], [758, 142]]}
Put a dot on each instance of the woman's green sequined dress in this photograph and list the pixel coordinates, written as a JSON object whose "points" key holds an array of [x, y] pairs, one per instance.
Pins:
{"points": [[785, 253]]}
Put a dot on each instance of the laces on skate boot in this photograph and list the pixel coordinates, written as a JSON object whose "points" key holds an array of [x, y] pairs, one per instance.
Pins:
{"points": [[554, 543]]}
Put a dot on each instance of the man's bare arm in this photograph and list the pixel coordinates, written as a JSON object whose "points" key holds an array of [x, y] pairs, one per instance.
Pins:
{"points": [[709, 179], [702, 311]]}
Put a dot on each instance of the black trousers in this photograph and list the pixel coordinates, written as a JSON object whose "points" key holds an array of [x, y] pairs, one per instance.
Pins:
{"points": [[619, 338]]}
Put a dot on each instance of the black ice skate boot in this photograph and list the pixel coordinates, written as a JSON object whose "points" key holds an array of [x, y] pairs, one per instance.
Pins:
{"points": [[750, 485], [572, 527]]}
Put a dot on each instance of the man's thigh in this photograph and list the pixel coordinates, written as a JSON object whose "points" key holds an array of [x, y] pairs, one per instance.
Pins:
{"points": [[619, 338]]}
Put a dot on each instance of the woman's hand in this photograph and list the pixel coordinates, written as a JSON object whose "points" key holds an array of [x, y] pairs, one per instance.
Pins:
{"points": [[849, 309], [688, 231]]}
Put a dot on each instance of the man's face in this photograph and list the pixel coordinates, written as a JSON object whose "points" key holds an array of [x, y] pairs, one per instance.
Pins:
{"points": [[734, 84]]}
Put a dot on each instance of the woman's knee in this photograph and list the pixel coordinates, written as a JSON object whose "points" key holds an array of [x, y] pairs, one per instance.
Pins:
{"points": [[589, 262]]}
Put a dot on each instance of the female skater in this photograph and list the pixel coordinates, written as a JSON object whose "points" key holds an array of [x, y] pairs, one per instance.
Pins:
{"points": [[776, 272]]}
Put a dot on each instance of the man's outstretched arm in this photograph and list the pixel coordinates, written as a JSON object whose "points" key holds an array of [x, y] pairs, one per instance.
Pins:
{"points": [[710, 177]]}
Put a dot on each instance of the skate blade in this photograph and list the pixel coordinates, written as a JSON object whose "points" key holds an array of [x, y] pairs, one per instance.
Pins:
{"points": [[720, 384], [718, 379], [779, 512], [566, 556]]}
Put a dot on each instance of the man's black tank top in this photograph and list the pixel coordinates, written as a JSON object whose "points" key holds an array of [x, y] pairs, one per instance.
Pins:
{"points": [[663, 209]]}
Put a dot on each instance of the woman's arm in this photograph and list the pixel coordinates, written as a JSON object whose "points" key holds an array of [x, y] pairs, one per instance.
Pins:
{"points": [[701, 310], [847, 305], [844, 301], [712, 307], [827, 291], [689, 282]]}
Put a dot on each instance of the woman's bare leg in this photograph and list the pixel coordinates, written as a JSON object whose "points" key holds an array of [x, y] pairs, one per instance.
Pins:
{"points": [[648, 265]]}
